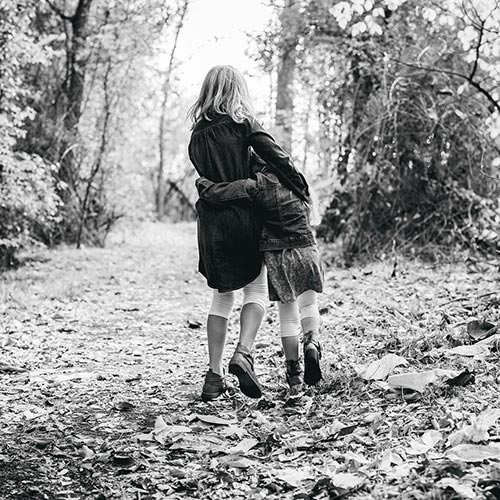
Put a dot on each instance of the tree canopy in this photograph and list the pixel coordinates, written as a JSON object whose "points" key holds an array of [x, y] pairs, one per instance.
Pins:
{"points": [[391, 107]]}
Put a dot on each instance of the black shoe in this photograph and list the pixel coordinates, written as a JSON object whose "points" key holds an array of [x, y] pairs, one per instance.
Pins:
{"points": [[312, 355], [214, 386], [294, 377], [241, 365]]}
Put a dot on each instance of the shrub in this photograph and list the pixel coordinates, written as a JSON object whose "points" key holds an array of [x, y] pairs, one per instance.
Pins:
{"points": [[29, 205]]}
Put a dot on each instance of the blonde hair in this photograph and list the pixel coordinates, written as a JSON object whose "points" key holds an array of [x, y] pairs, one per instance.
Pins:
{"points": [[224, 91]]}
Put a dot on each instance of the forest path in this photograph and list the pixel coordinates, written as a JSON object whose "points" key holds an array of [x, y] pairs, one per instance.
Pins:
{"points": [[113, 344]]}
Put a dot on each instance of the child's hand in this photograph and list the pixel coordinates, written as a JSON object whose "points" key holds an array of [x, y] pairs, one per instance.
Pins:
{"points": [[313, 208]]}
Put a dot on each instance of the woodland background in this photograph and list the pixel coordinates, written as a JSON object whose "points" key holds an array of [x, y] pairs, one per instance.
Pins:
{"points": [[391, 107]]}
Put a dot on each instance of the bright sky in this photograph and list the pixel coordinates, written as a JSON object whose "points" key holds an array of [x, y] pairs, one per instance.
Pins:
{"points": [[215, 33]]}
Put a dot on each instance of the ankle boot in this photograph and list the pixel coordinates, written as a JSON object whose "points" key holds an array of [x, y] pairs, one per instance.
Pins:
{"points": [[312, 355], [241, 365]]}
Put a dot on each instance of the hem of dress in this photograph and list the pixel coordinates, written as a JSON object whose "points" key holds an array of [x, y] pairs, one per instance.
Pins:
{"points": [[275, 245], [233, 288], [317, 289]]}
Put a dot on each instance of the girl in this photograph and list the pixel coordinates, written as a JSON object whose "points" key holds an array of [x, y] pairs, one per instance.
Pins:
{"points": [[223, 135], [292, 261]]}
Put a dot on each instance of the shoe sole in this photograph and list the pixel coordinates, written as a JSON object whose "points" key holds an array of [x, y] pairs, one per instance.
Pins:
{"points": [[312, 370], [247, 385]]}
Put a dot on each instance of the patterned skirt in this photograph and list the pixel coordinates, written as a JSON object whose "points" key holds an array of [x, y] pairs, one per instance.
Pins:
{"points": [[293, 271]]}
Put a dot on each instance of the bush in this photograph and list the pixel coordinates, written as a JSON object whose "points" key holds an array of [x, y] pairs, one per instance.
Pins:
{"points": [[29, 205], [369, 220]]}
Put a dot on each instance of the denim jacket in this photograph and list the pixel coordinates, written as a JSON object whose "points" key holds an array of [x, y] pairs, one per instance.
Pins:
{"points": [[284, 216], [229, 235]]}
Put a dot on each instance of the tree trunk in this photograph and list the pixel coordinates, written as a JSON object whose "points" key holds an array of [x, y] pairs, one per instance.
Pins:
{"points": [[290, 18], [363, 86], [160, 178], [76, 33]]}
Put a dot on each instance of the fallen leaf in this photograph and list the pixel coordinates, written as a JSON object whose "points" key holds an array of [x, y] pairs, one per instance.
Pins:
{"points": [[357, 458], [470, 350], [426, 442], [212, 419], [233, 430], [463, 379], [478, 430], [87, 453], [32, 415], [244, 446], [399, 471], [124, 406], [417, 381], [42, 442], [236, 461], [145, 437], [159, 423], [461, 488], [346, 480], [479, 329], [170, 431], [332, 431], [205, 444], [293, 477], [123, 460], [162, 431], [380, 369], [474, 452], [388, 459]]}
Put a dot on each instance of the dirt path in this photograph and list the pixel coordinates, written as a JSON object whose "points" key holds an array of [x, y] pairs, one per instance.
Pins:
{"points": [[113, 344]]}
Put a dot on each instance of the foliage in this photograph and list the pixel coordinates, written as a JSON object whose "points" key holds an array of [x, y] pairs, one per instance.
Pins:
{"points": [[28, 203], [407, 141], [72, 98], [28, 200]]}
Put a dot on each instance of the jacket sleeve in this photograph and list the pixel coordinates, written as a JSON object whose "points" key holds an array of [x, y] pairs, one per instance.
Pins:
{"points": [[278, 160], [226, 192]]}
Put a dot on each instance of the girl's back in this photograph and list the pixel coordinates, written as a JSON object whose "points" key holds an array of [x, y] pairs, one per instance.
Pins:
{"points": [[218, 149]]}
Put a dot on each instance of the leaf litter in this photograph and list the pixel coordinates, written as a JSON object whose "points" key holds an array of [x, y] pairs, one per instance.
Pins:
{"points": [[101, 380]]}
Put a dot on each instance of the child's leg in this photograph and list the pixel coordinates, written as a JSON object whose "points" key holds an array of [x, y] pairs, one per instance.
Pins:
{"points": [[309, 312], [253, 309], [218, 315], [289, 329], [252, 313], [310, 320]]}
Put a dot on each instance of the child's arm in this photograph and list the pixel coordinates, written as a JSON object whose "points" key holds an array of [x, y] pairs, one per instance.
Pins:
{"points": [[278, 159], [226, 192]]}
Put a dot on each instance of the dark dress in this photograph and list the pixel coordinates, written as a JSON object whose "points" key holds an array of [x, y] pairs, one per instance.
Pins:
{"points": [[228, 236]]}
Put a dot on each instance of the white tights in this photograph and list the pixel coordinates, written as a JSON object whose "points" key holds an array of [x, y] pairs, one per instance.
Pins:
{"points": [[254, 293], [291, 313]]}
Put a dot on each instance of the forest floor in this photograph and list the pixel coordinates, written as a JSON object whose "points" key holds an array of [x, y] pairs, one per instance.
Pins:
{"points": [[103, 355]]}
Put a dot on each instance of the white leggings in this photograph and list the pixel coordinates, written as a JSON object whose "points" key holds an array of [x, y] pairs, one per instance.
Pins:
{"points": [[253, 293], [306, 306]]}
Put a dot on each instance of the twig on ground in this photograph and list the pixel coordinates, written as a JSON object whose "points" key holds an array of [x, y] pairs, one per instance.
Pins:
{"points": [[458, 299]]}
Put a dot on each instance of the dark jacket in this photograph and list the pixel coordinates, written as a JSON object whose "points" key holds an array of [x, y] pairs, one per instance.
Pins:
{"points": [[285, 217], [228, 236]]}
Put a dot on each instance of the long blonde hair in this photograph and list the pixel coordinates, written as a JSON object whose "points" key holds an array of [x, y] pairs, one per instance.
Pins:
{"points": [[224, 91]]}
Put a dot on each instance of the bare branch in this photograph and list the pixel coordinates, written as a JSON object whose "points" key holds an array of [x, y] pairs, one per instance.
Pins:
{"points": [[467, 78], [59, 12], [477, 49]]}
